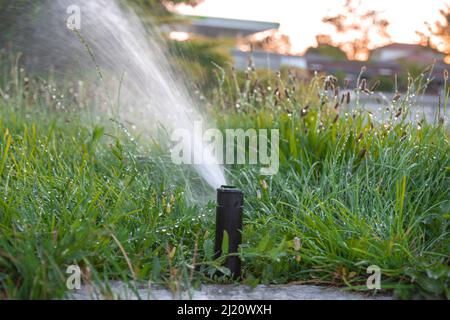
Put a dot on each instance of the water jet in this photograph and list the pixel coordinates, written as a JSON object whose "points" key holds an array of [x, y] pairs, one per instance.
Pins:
{"points": [[125, 63]]}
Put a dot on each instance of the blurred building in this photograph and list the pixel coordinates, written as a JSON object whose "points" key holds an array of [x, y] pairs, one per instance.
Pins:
{"points": [[224, 28], [386, 61], [266, 60], [406, 52]]}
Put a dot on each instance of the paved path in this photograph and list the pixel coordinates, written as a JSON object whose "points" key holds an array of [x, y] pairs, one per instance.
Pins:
{"points": [[226, 292]]}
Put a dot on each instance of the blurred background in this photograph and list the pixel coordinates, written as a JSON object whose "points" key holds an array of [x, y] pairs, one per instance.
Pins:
{"points": [[391, 39]]}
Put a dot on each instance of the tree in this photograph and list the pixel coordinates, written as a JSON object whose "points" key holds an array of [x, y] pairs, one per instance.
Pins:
{"points": [[324, 48], [357, 29], [439, 34], [270, 41], [158, 8], [18, 18], [26, 9]]}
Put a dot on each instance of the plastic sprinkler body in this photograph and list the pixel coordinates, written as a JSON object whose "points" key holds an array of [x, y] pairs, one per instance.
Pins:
{"points": [[229, 215]]}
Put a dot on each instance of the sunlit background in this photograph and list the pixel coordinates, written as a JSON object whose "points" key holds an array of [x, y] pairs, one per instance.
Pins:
{"points": [[302, 20]]}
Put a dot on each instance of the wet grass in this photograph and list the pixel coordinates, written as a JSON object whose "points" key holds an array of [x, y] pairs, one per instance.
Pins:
{"points": [[351, 192]]}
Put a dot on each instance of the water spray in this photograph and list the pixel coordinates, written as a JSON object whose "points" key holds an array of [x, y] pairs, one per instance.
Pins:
{"points": [[230, 202], [139, 85]]}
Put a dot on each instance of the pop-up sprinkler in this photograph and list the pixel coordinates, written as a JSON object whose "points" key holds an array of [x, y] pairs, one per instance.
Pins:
{"points": [[230, 202]]}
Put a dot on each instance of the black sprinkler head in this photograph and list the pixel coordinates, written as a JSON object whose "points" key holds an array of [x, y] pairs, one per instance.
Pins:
{"points": [[229, 215]]}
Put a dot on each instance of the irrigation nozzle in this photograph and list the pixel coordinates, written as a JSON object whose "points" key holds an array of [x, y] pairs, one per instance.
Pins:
{"points": [[229, 214]]}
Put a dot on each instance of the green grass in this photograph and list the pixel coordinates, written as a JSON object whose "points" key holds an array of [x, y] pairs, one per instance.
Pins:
{"points": [[351, 193]]}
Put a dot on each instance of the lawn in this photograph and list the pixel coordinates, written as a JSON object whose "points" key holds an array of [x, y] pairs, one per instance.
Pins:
{"points": [[77, 188]]}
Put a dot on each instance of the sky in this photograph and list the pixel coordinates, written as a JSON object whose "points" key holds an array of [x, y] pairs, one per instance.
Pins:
{"points": [[301, 20]]}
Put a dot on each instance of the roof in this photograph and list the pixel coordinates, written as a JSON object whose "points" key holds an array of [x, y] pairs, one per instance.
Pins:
{"points": [[223, 23], [400, 46]]}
